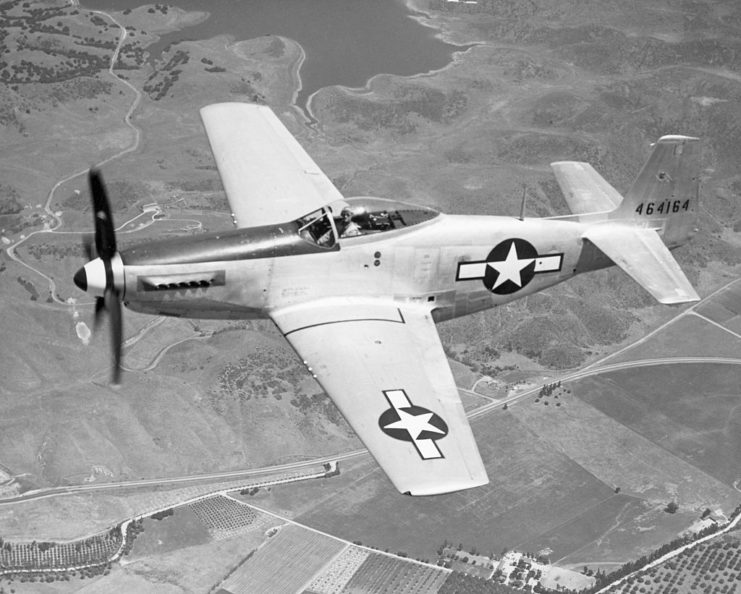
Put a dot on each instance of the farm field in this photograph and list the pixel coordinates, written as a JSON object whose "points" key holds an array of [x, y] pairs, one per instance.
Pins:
{"points": [[334, 576], [380, 573], [196, 568], [224, 517], [617, 454], [724, 308], [285, 563], [710, 333], [529, 494], [181, 529], [31, 555], [690, 410], [590, 484], [707, 340], [712, 567]]}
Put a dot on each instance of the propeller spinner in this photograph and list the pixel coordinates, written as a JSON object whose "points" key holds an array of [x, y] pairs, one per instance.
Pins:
{"points": [[103, 276]]}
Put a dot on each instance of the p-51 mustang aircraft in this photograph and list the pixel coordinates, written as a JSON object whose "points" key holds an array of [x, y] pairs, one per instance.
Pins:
{"points": [[356, 285]]}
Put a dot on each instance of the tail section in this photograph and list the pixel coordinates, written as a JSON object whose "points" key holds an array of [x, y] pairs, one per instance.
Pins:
{"points": [[656, 214], [665, 194]]}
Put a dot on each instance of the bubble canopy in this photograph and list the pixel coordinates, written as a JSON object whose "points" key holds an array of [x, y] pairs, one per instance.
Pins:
{"points": [[360, 216], [382, 214]]}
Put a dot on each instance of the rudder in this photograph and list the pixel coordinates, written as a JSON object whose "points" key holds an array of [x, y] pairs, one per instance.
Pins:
{"points": [[665, 194]]}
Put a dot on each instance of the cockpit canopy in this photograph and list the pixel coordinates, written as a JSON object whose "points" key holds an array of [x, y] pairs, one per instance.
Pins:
{"points": [[355, 217]]}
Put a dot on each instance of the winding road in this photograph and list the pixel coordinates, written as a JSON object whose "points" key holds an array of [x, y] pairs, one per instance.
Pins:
{"points": [[57, 219]]}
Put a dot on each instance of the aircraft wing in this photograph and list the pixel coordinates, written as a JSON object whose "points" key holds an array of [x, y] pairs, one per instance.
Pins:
{"points": [[383, 365], [644, 257], [268, 177], [584, 189]]}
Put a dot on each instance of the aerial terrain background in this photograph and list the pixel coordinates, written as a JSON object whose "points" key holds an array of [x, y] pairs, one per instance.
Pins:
{"points": [[586, 470]]}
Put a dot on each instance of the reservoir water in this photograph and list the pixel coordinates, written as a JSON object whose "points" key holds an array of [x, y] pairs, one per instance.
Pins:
{"points": [[346, 41]]}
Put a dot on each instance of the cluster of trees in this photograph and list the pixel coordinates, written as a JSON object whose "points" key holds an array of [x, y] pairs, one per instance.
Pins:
{"points": [[59, 252], [161, 515], [548, 390], [158, 7], [134, 529], [34, 561], [10, 204], [718, 562], [633, 566], [319, 404], [170, 75], [462, 583], [66, 62], [29, 286], [57, 576], [411, 102], [131, 56]]}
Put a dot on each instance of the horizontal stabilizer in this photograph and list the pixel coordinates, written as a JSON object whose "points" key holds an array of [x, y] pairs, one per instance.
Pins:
{"points": [[644, 257], [585, 190]]}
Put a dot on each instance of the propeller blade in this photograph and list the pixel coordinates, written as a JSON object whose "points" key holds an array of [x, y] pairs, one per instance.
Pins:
{"points": [[99, 309], [88, 246], [103, 243], [113, 305], [105, 236]]}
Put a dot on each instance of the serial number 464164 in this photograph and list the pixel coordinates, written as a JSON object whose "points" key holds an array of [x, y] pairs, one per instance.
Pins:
{"points": [[665, 207]]}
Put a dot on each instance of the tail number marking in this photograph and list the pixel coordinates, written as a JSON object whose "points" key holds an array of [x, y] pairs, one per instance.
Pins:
{"points": [[666, 207]]}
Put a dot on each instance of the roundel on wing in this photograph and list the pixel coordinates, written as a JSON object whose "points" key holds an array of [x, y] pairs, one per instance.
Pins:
{"points": [[392, 424], [510, 266]]}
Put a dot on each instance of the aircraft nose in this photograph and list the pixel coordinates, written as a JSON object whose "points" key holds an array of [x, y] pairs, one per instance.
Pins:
{"points": [[80, 279]]}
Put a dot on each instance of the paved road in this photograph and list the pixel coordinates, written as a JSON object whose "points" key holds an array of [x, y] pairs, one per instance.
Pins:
{"points": [[181, 480]]}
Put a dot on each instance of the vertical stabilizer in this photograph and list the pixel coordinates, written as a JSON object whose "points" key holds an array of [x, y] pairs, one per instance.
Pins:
{"points": [[665, 194]]}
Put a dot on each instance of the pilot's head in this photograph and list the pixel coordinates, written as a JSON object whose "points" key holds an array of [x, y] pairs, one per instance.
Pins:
{"points": [[346, 214]]}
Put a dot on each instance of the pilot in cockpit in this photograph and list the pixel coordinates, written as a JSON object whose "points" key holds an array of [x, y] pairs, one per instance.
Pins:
{"points": [[347, 227]]}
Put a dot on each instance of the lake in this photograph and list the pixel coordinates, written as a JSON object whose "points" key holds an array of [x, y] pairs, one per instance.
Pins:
{"points": [[346, 41]]}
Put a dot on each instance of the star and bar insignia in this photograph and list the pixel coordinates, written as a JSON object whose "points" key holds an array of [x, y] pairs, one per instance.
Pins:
{"points": [[409, 422], [510, 266]]}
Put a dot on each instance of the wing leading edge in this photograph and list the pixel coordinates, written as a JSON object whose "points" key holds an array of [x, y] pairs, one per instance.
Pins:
{"points": [[384, 367], [268, 177]]}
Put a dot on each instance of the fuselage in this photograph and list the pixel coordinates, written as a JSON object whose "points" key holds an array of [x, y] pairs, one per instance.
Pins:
{"points": [[455, 264]]}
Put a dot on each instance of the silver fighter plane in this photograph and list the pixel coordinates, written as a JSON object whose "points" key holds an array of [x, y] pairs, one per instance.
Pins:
{"points": [[356, 285]]}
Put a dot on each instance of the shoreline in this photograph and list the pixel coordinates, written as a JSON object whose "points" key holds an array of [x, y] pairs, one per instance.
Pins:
{"points": [[425, 20], [366, 90]]}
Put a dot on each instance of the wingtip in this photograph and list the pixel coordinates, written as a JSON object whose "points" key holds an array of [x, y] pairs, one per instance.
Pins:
{"points": [[447, 487], [680, 299], [676, 138]]}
